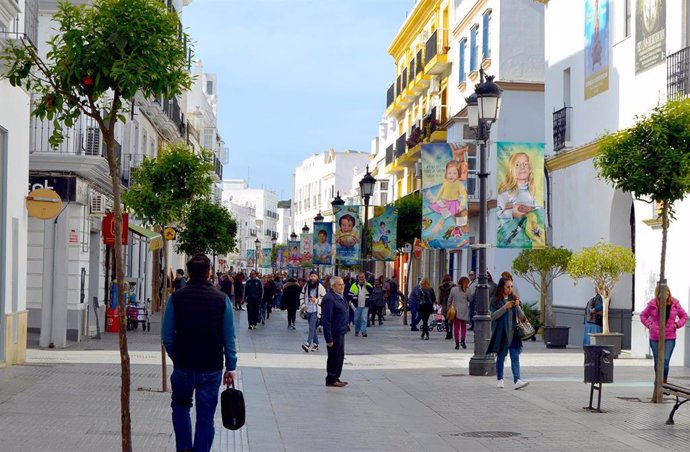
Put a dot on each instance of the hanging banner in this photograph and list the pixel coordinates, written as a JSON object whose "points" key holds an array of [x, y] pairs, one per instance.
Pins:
{"points": [[266, 258], [596, 47], [323, 243], [650, 34], [520, 210], [384, 228], [281, 256], [444, 202], [250, 259], [306, 249], [347, 235], [293, 254]]}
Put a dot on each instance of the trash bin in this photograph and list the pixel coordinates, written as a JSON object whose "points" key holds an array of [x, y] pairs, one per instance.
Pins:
{"points": [[112, 321], [598, 363]]}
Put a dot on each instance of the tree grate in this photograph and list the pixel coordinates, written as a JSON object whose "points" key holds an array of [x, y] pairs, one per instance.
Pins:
{"points": [[454, 375], [495, 434]]}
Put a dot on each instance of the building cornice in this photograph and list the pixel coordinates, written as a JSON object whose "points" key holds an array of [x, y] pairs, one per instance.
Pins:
{"points": [[421, 13], [465, 22], [521, 86], [569, 158]]}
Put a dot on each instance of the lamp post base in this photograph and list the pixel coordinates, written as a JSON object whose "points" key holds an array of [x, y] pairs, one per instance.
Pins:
{"points": [[481, 363], [482, 366]]}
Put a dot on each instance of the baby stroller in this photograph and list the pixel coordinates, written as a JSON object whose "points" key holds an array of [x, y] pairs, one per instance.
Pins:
{"points": [[138, 313], [437, 321]]}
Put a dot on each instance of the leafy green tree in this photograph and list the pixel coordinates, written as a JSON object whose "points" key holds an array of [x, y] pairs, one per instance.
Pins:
{"points": [[208, 229], [540, 267], [101, 56], [163, 191], [604, 264], [409, 219], [652, 160]]}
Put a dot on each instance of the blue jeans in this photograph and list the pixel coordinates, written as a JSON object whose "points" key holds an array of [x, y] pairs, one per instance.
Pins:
{"points": [[204, 385], [312, 336], [276, 300], [393, 304], [361, 315], [414, 321], [670, 344], [262, 312], [514, 350]]}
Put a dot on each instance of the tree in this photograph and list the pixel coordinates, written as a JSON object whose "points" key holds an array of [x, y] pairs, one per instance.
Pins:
{"points": [[409, 219], [102, 56], [540, 267], [652, 160], [604, 264], [163, 191], [208, 229]]}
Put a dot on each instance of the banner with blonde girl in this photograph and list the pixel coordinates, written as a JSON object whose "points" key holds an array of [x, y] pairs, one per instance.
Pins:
{"points": [[520, 209]]}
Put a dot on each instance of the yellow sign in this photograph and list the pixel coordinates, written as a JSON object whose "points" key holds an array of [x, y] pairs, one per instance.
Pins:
{"points": [[170, 233], [43, 203]]}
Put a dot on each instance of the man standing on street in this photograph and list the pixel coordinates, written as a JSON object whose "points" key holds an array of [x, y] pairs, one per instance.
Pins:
{"points": [[253, 293], [198, 329], [180, 281], [334, 316], [359, 297]]}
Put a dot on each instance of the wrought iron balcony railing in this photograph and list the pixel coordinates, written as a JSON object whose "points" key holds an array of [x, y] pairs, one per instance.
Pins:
{"points": [[431, 47], [390, 95], [129, 163], [390, 154], [678, 74], [412, 69], [401, 145], [419, 62], [561, 128]]}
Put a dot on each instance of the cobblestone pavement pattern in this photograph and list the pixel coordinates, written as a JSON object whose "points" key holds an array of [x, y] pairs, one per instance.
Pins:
{"points": [[404, 395]]}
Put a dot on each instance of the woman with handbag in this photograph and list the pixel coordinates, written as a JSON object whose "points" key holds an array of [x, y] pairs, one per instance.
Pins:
{"points": [[426, 305], [505, 315], [459, 309], [593, 317], [443, 294], [312, 293]]}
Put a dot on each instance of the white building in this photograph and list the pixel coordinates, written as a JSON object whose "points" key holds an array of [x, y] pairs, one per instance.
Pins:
{"points": [[284, 220], [264, 202], [245, 216], [16, 19], [319, 178], [639, 58]]}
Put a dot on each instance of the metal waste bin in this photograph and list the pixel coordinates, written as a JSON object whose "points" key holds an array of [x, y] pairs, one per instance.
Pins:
{"points": [[598, 363]]}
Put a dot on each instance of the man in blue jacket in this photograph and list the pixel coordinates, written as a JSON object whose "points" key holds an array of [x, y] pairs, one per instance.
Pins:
{"points": [[198, 329], [359, 296], [334, 317]]}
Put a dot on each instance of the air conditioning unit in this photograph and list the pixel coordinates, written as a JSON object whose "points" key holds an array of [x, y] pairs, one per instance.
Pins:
{"points": [[97, 204]]}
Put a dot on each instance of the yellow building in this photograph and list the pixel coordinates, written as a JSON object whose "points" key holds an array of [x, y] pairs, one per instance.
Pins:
{"points": [[418, 97]]}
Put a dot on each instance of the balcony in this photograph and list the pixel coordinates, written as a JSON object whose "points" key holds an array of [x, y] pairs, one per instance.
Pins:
{"points": [[129, 162], [390, 155], [435, 61], [561, 128], [678, 74], [390, 95], [166, 116], [401, 145], [217, 168], [82, 151]]}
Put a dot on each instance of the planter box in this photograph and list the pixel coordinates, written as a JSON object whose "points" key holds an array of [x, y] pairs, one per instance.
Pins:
{"points": [[556, 336], [613, 339]]}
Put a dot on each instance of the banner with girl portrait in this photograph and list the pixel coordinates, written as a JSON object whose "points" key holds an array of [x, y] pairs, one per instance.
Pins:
{"points": [[281, 256], [266, 258], [323, 243], [520, 210], [306, 249], [294, 257], [384, 233], [347, 235], [250, 259], [444, 195]]}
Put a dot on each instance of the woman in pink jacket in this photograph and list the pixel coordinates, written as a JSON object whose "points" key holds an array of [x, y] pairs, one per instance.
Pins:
{"points": [[675, 318]]}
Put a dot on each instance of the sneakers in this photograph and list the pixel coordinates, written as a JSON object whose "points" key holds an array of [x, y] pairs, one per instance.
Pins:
{"points": [[305, 347], [315, 348], [357, 333], [500, 384], [521, 384], [364, 334]]}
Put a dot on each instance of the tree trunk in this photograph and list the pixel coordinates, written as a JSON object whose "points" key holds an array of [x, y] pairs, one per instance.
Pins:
{"points": [[164, 364], [125, 378], [605, 318], [661, 304], [547, 307], [156, 277]]}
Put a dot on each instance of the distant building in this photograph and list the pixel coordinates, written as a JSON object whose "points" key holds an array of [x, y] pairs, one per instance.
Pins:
{"points": [[264, 202], [284, 220]]}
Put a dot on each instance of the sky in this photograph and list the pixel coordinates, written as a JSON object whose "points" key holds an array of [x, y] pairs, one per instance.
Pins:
{"points": [[295, 77]]}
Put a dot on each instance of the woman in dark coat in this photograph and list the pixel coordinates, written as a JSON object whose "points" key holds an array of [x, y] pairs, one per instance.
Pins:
{"points": [[426, 305], [505, 310], [290, 300], [443, 294]]}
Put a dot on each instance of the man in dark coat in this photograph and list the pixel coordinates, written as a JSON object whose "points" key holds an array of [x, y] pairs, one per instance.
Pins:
{"points": [[253, 293], [334, 318]]}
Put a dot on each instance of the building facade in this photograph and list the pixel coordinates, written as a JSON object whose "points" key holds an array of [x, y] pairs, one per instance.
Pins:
{"points": [[636, 59], [265, 205], [284, 220]]}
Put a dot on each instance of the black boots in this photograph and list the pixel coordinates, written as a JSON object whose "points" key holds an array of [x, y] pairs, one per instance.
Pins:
{"points": [[457, 346], [462, 344], [449, 335]]}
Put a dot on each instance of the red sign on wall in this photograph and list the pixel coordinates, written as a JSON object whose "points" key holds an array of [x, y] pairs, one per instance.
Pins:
{"points": [[108, 228]]}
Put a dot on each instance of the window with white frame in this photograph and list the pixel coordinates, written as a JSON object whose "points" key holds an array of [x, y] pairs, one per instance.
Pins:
{"points": [[486, 35], [461, 61], [474, 47]]}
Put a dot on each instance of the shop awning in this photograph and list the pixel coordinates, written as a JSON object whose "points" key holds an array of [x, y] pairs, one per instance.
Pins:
{"points": [[154, 238]]}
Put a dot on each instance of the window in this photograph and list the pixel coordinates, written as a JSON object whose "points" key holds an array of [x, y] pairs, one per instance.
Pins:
{"points": [[461, 66], [209, 87], [628, 17], [474, 49], [486, 46]]}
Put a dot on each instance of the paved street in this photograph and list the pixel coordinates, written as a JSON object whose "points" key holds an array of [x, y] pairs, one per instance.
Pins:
{"points": [[404, 395]]}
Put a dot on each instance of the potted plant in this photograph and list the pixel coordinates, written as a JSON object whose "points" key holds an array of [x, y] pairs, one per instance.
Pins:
{"points": [[540, 267], [604, 264]]}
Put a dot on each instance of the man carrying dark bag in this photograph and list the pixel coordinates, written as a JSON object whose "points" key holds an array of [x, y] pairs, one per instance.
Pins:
{"points": [[334, 318], [198, 331]]}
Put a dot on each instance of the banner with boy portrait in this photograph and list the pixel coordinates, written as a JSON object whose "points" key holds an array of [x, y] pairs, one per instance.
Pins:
{"points": [[306, 249], [250, 259], [444, 195], [323, 243], [266, 258], [294, 257], [281, 256], [384, 233], [520, 209], [347, 235]]}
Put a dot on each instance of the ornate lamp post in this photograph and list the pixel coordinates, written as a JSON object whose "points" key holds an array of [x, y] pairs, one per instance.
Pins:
{"points": [[336, 204], [305, 230], [257, 247], [483, 108], [293, 237], [366, 189], [274, 239]]}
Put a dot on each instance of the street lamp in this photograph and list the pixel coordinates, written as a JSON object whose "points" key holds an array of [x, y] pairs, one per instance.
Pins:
{"points": [[318, 218], [366, 189], [274, 239], [257, 247], [482, 109], [293, 236], [336, 204]]}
